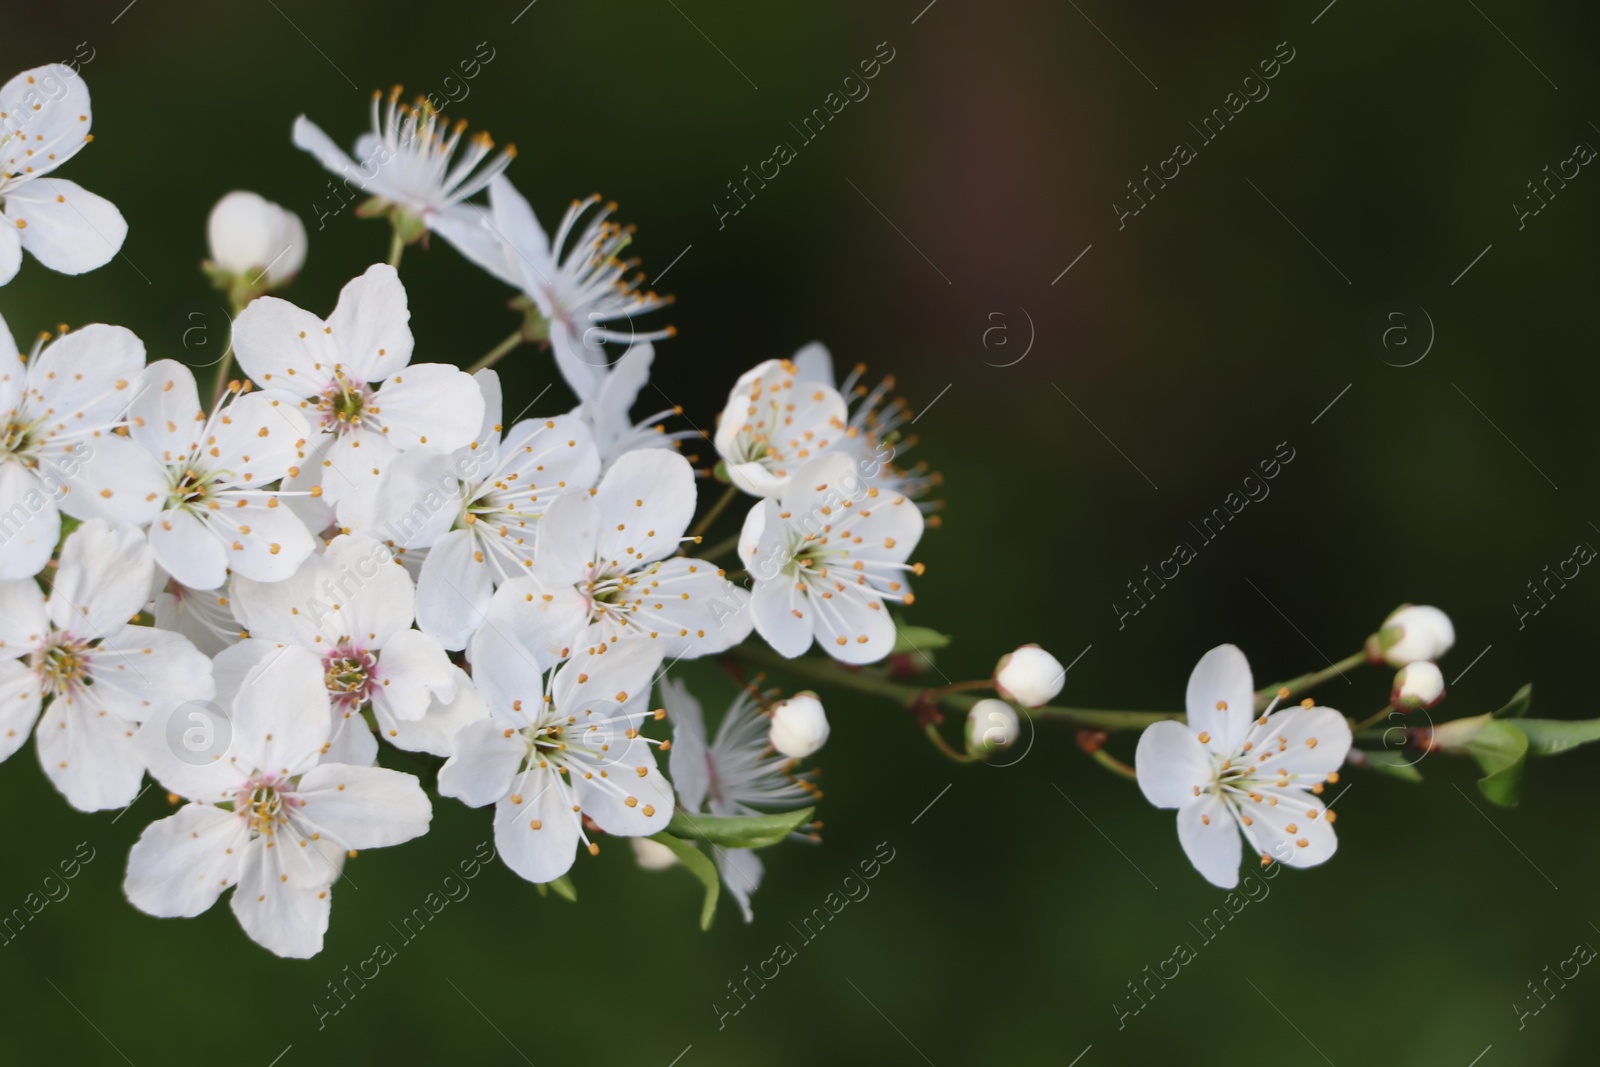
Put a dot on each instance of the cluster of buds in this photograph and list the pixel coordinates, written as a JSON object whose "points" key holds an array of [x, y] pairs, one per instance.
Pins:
{"points": [[1412, 638]]}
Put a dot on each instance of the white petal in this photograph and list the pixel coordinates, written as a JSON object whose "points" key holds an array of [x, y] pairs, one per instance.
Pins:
{"points": [[371, 326], [284, 348], [1289, 826], [527, 246], [259, 438], [188, 549], [29, 519], [65, 226], [783, 617], [23, 621], [88, 376], [377, 595], [454, 590], [10, 256], [265, 541], [103, 579], [88, 755], [741, 871], [1221, 699], [548, 619], [19, 705], [431, 405], [568, 538], [363, 807], [181, 864], [111, 478], [412, 672], [1307, 743], [49, 115], [139, 669], [536, 826], [852, 622], [189, 750], [281, 717], [606, 679], [282, 898], [646, 502], [488, 754], [435, 733], [165, 416], [508, 673], [620, 770], [1172, 766], [308, 137], [467, 227], [689, 761], [1210, 839]]}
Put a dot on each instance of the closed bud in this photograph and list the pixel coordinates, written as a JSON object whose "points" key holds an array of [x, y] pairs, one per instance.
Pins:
{"points": [[799, 726], [1030, 676], [1414, 632], [1418, 686], [992, 726], [652, 855], [254, 239]]}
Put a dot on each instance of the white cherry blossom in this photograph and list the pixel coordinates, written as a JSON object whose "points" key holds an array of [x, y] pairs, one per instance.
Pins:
{"points": [[774, 422], [44, 121], [828, 559], [548, 762], [1229, 771], [102, 675], [353, 378], [265, 816]]}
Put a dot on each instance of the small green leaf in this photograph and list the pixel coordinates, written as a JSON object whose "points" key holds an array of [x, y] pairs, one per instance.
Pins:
{"points": [[739, 831], [1501, 749], [919, 639], [1549, 737], [1382, 761], [699, 866], [564, 888], [1518, 705]]}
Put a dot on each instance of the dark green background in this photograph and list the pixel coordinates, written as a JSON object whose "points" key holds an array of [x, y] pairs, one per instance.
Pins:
{"points": [[1196, 339]]}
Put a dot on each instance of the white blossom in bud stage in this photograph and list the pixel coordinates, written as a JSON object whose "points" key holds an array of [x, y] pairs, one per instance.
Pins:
{"points": [[873, 435], [652, 855], [1030, 676], [344, 618], [474, 515], [736, 773], [604, 570], [255, 239], [1417, 686], [1229, 771], [992, 726], [281, 839], [827, 559], [57, 449], [101, 674], [547, 762], [409, 162], [65, 226], [1413, 632], [353, 378], [799, 726], [576, 281], [211, 475], [774, 422]]}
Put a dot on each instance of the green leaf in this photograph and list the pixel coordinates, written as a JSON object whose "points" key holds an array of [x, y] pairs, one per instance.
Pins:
{"points": [[919, 639], [564, 888], [1382, 761], [699, 866], [1550, 737], [1518, 705], [1501, 749], [739, 831]]}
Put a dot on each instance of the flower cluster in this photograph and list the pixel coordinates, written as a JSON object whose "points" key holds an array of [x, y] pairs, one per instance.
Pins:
{"points": [[352, 547]]}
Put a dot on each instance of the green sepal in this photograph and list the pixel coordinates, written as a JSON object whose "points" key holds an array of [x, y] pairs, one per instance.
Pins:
{"points": [[739, 831], [698, 865]]}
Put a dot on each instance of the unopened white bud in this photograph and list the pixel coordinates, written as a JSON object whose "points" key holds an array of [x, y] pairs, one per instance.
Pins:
{"points": [[799, 726], [1030, 676], [1418, 686], [253, 238], [992, 725], [1413, 632], [652, 855]]}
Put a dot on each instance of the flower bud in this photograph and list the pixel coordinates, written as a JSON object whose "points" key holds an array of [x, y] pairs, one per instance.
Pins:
{"points": [[255, 239], [1418, 686], [1030, 676], [992, 726], [799, 726], [1414, 632], [652, 855]]}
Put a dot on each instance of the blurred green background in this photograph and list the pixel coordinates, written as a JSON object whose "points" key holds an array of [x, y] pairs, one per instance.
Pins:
{"points": [[1218, 323]]}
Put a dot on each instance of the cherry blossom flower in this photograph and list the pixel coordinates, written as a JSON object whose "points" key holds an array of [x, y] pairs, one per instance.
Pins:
{"points": [[409, 163], [773, 423], [736, 773], [353, 378], [828, 558], [473, 516], [604, 572], [44, 121], [550, 762], [57, 451], [211, 477], [101, 675], [348, 613], [1229, 771], [264, 815]]}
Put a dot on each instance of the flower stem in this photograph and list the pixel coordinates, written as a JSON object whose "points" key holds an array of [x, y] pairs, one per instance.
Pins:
{"points": [[716, 510], [225, 364], [829, 672], [1373, 719], [497, 353], [1306, 681], [397, 247], [944, 746], [1113, 764]]}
